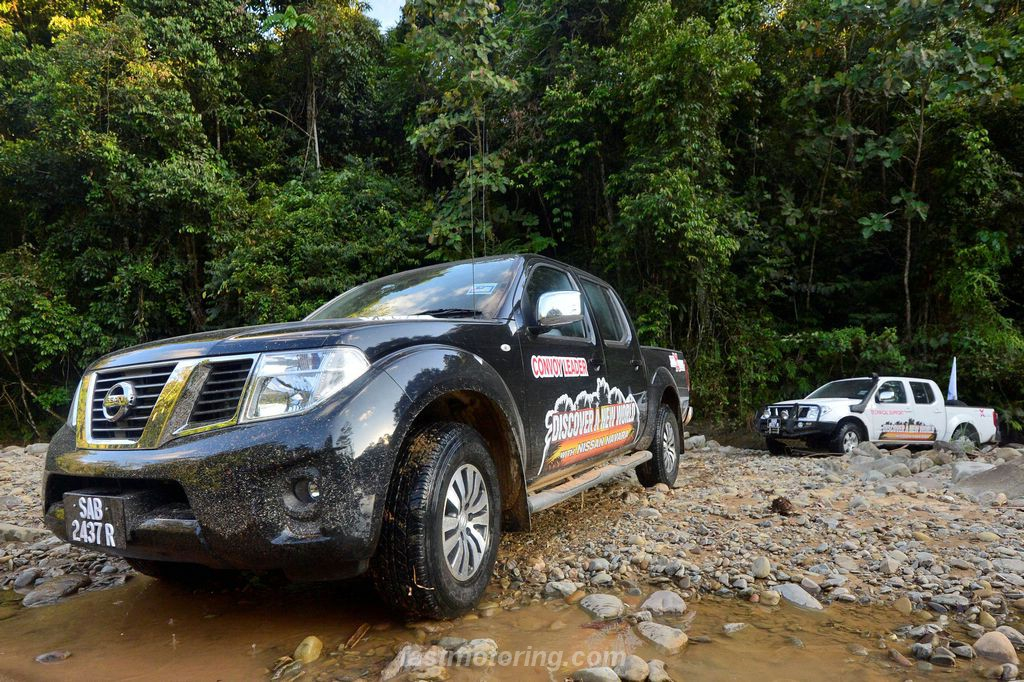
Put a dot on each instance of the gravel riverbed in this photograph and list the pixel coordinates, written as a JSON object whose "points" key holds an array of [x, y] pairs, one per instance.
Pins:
{"points": [[934, 535]]}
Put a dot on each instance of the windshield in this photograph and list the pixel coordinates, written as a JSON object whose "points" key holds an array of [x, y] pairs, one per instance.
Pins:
{"points": [[473, 289], [855, 389]]}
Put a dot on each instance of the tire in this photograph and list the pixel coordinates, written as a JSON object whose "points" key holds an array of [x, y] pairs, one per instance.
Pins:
{"points": [[776, 447], [411, 569], [847, 437], [966, 432], [663, 466]]}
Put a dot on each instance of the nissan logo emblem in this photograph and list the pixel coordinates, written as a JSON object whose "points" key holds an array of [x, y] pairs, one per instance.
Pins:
{"points": [[119, 400]]}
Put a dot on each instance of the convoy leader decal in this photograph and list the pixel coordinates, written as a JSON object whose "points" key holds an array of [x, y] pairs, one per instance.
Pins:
{"points": [[557, 366], [589, 425]]}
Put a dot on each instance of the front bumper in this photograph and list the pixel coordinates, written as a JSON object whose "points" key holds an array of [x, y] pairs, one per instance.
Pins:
{"points": [[226, 498], [792, 427]]}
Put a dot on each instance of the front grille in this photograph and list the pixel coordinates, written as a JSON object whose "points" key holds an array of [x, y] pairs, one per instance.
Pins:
{"points": [[148, 383], [218, 400], [778, 410]]}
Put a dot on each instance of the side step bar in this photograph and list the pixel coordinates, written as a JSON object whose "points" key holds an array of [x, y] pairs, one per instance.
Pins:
{"points": [[542, 499]]}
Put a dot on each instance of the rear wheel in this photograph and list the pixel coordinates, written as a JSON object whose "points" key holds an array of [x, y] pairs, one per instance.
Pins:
{"points": [[847, 437], [442, 524], [663, 466], [966, 433]]}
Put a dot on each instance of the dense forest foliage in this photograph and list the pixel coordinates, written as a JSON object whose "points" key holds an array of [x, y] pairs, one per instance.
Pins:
{"points": [[788, 191]]}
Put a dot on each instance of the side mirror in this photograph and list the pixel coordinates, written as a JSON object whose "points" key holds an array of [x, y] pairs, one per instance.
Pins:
{"points": [[559, 308], [886, 396]]}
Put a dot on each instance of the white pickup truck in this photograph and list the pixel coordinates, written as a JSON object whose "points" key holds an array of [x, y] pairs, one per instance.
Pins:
{"points": [[840, 415]]}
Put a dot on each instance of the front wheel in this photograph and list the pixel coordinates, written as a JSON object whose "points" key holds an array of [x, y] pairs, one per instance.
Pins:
{"points": [[847, 437], [776, 447], [663, 466], [442, 524]]}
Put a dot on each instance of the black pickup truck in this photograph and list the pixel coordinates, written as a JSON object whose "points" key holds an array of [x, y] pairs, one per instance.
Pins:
{"points": [[397, 429]]}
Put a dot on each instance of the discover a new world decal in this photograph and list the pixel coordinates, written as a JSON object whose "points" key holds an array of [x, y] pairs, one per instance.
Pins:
{"points": [[592, 423]]}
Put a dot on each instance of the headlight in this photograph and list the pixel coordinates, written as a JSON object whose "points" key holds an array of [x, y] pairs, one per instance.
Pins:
{"points": [[812, 413], [767, 414], [72, 419], [784, 414], [289, 383], [825, 409]]}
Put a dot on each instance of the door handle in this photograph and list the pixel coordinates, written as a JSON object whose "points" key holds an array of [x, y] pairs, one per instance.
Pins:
{"points": [[636, 365], [596, 364]]}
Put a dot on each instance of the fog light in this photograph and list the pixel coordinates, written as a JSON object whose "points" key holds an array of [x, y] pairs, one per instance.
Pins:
{"points": [[306, 490]]}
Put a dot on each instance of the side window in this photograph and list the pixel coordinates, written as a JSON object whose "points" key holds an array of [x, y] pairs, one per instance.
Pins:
{"points": [[544, 279], [923, 393], [606, 311], [891, 392]]}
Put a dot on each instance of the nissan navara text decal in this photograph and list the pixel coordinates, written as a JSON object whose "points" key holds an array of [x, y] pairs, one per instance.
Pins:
{"points": [[593, 423]]}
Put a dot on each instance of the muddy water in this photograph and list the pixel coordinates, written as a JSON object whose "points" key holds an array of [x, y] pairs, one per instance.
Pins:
{"points": [[149, 630]]}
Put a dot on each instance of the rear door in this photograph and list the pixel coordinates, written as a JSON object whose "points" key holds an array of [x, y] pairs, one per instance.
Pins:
{"points": [[929, 411], [624, 367], [563, 371]]}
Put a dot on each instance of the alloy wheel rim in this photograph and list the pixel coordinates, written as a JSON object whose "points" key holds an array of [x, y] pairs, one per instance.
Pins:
{"points": [[850, 441], [466, 524], [668, 446]]}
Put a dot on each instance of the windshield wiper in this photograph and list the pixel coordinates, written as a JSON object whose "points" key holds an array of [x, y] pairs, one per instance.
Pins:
{"points": [[451, 312]]}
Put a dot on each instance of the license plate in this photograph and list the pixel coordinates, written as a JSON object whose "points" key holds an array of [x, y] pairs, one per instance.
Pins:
{"points": [[95, 520], [773, 425]]}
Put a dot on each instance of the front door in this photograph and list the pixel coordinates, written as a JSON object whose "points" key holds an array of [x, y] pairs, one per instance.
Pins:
{"points": [[894, 418], [563, 377]]}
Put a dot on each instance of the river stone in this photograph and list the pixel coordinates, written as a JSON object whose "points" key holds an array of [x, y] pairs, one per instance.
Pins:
{"points": [[1009, 565], [658, 672], [53, 656], [560, 588], [943, 657], [761, 568], [997, 647], [633, 669], [770, 598], [1012, 634], [598, 564], [668, 638], [797, 595], [903, 605], [476, 652], [602, 674], [426, 662], [664, 602], [308, 650], [12, 533], [603, 606], [26, 578], [966, 469], [55, 588]]}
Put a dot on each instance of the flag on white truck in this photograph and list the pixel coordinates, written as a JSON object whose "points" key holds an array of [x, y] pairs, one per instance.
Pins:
{"points": [[951, 391]]}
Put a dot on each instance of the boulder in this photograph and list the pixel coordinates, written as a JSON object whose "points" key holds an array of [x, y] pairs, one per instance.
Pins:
{"points": [[797, 595], [603, 606], [966, 469], [667, 638], [997, 647], [664, 602]]}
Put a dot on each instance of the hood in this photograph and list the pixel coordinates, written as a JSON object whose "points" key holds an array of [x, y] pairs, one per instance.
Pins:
{"points": [[374, 336], [819, 401]]}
